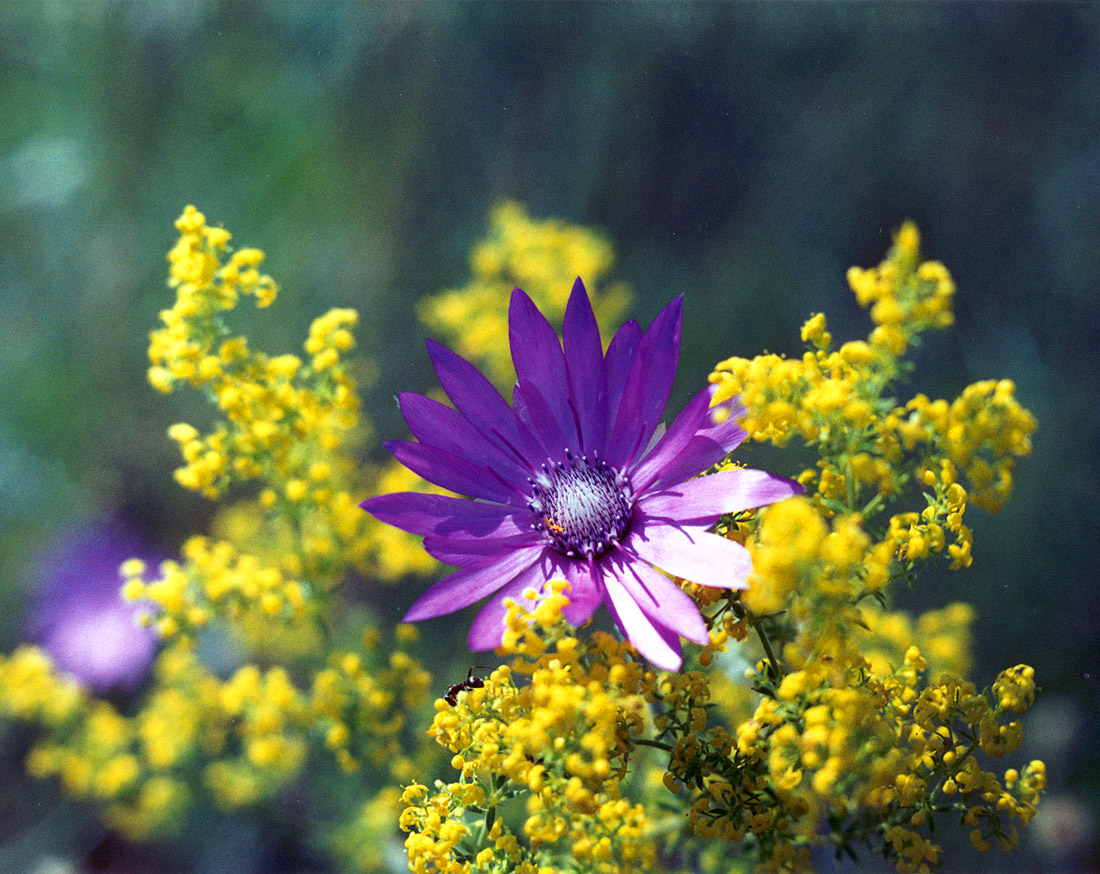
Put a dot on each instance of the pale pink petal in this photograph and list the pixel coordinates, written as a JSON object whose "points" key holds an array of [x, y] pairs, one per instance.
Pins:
{"points": [[666, 447], [585, 594], [691, 554], [692, 444], [657, 644], [708, 497], [659, 598]]}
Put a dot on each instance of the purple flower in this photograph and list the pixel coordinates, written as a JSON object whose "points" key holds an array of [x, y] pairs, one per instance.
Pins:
{"points": [[78, 616], [569, 482]]}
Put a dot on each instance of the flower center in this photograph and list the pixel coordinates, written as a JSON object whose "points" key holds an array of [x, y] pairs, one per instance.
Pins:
{"points": [[583, 506]]}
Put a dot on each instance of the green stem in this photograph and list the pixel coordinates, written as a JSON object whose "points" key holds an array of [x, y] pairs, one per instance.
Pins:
{"points": [[849, 481], [758, 626], [644, 742], [324, 628], [872, 506]]}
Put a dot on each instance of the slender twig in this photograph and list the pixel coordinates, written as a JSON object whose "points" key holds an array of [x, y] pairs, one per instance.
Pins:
{"points": [[850, 482], [323, 626], [643, 742], [758, 626]]}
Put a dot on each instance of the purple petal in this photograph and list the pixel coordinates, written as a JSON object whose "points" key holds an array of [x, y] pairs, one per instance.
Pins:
{"points": [[692, 417], [648, 385], [539, 360], [691, 554], [585, 594], [657, 644], [474, 396], [471, 584], [533, 410], [463, 551], [424, 514], [584, 361], [659, 598], [487, 629], [658, 433], [708, 446], [708, 497], [453, 473], [436, 424], [701, 452], [616, 366]]}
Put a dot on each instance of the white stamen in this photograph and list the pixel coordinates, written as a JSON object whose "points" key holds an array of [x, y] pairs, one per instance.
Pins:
{"points": [[583, 507]]}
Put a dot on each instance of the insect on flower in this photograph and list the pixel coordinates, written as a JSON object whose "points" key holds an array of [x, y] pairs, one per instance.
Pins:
{"points": [[574, 482], [471, 682]]}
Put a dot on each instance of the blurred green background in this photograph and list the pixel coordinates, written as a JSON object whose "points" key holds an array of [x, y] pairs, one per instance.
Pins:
{"points": [[744, 155]]}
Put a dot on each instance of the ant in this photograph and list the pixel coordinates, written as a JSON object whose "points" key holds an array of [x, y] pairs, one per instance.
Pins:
{"points": [[471, 682]]}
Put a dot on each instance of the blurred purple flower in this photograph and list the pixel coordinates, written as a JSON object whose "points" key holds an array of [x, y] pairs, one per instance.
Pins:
{"points": [[570, 483], [78, 616]]}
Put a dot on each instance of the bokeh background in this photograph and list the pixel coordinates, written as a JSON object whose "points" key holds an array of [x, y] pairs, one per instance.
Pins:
{"points": [[743, 155]]}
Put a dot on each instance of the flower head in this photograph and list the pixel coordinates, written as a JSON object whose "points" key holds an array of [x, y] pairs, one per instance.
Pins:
{"points": [[78, 615], [574, 481]]}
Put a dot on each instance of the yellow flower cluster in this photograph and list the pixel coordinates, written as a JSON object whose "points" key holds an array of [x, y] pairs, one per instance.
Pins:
{"points": [[834, 399], [214, 579], [130, 765], [831, 741], [905, 295], [815, 714], [239, 740], [272, 404], [293, 425], [838, 739], [362, 708], [270, 576], [837, 402], [562, 741], [942, 636], [981, 432], [840, 721], [33, 692], [541, 257], [289, 423]]}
